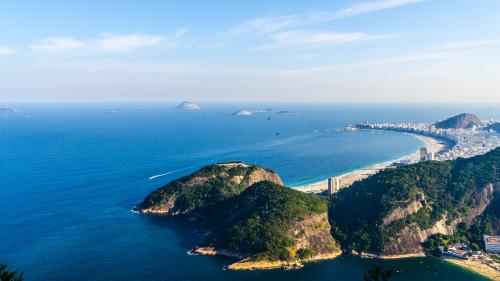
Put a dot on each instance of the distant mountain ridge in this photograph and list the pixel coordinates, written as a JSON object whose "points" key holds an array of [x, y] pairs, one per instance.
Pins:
{"points": [[495, 127], [461, 121]]}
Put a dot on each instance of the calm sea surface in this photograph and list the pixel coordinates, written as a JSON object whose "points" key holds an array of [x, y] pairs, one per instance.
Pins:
{"points": [[69, 175]]}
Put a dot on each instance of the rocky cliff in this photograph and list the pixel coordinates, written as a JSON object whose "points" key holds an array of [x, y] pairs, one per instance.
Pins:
{"points": [[395, 211], [409, 240]]}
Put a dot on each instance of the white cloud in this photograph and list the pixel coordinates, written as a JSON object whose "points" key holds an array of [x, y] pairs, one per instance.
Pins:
{"points": [[369, 7], [123, 43], [56, 44], [272, 24], [6, 51], [308, 37], [112, 43], [467, 44]]}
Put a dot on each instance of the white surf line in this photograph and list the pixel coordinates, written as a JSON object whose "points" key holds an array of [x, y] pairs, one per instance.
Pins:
{"points": [[168, 173]]}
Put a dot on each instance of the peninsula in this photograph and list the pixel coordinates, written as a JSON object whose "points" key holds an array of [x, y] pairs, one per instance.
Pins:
{"points": [[247, 214]]}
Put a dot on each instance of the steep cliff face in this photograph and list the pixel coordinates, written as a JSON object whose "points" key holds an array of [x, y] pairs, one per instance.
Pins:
{"points": [[311, 235], [207, 186], [310, 241], [409, 240], [393, 212], [402, 212]]}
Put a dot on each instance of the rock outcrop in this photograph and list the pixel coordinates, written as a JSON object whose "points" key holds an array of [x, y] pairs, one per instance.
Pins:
{"points": [[409, 240], [462, 121]]}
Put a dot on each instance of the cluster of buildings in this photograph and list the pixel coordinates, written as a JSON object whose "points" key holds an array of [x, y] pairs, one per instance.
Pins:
{"points": [[465, 142], [462, 251], [457, 250]]}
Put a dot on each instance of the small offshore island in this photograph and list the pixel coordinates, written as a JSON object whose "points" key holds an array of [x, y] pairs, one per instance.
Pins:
{"points": [[427, 207]]}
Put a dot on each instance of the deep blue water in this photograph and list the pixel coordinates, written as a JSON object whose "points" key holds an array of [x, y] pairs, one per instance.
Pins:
{"points": [[69, 175]]}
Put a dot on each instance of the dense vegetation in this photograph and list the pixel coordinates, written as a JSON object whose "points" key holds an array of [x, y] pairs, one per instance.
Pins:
{"points": [[357, 213], [208, 186], [257, 222]]}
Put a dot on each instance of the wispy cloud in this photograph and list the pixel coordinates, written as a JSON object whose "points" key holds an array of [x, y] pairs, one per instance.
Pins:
{"points": [[107, 43], [55, 44], [264, 25], [6, 51], [308, 37], [124, 43], [416, 57], [368, 7], [426, 56], [467, 44]]}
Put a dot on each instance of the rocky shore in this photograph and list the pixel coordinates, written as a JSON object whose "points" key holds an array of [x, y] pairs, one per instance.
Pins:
{"points": [[249, 264]]}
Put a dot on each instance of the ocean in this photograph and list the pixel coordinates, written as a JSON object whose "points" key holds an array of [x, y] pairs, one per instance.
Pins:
{"points": [[70, 173]]}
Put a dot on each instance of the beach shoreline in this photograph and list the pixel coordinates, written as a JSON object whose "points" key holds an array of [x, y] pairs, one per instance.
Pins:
{"points": [[432, 144], [476, 267]]}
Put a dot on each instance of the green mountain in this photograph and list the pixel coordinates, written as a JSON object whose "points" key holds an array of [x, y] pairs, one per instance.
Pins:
{"points": [[208, 186], [270, 222], [464, 120], [395, 211], [248, 214]]}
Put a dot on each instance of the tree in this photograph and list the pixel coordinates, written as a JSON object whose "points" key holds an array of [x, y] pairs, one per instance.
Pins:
{"points": [[377, 274], [8, 275]]}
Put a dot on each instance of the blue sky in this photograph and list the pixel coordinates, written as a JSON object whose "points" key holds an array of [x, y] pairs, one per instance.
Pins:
{"points": [[257, 51]]}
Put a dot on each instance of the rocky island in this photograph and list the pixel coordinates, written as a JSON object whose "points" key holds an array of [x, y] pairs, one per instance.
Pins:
{"points": [[186, 105], [247, 214]]}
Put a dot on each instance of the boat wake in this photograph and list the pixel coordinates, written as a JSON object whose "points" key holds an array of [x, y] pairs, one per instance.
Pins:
{"points": [[168, 173], [192, 253]]}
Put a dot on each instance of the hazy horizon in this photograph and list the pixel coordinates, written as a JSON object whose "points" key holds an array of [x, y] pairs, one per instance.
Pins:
{"points": [[369, 51]]}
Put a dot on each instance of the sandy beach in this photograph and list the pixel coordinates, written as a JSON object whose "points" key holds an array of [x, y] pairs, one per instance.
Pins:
{"points": [[477, 267], [433, 145]]}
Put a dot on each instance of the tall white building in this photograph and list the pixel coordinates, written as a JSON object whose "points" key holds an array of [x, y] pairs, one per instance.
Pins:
{"points": [[492, 243], [333, 185]]}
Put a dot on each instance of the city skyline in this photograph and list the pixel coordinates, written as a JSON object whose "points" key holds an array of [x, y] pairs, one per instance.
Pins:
{"points": [[347, 51]]}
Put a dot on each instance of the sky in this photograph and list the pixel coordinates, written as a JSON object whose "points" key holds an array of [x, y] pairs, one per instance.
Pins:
{"points": [[314, 51]]}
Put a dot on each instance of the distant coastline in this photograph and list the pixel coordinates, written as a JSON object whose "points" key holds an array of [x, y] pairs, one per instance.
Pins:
{"points": [[432, 144]]}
